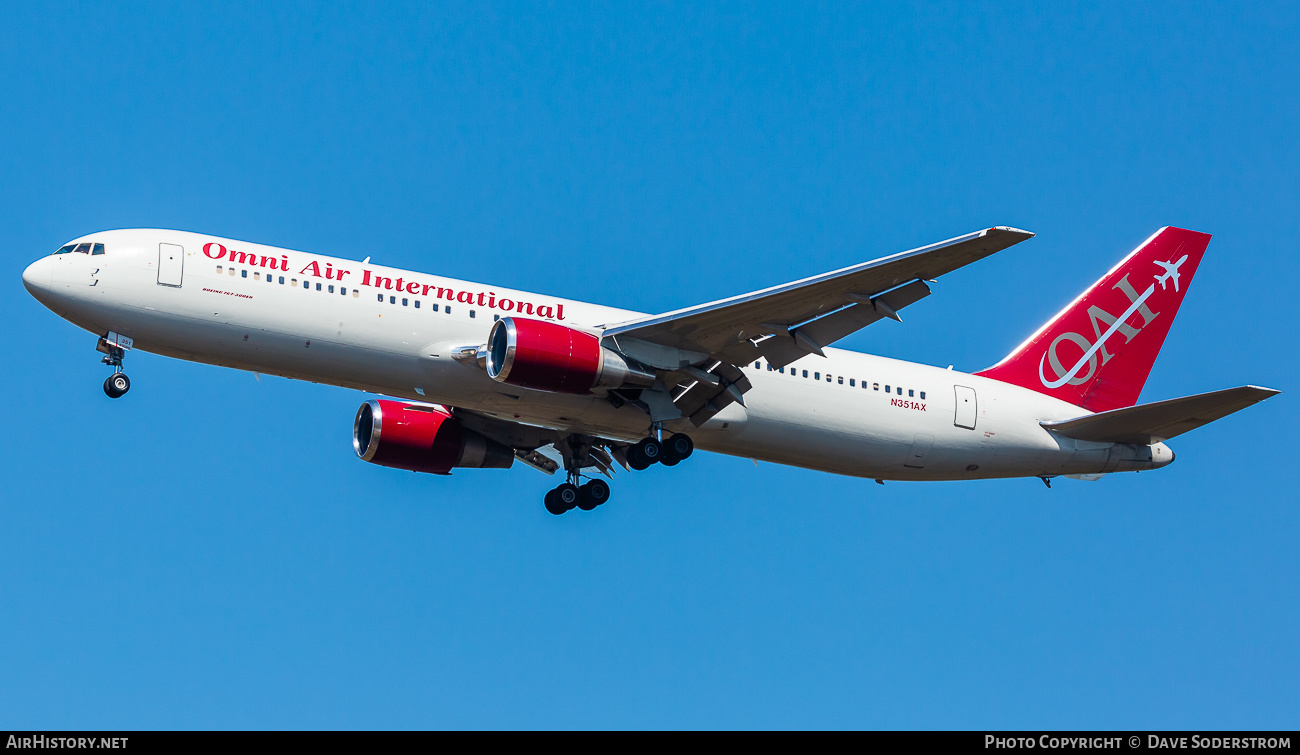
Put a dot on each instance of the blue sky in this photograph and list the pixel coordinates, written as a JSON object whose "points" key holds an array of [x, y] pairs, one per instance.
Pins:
{"points": [[208, 552]]}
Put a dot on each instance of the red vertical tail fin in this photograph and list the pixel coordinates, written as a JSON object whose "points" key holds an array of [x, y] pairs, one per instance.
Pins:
{"points": [[1099, 350]]}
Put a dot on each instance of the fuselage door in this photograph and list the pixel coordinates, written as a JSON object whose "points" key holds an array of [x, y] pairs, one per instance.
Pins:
{"points": [[171, 264], [966, 407]]}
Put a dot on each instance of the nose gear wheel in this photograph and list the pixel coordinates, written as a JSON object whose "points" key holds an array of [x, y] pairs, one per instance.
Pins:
{"points": [[118, 383]]}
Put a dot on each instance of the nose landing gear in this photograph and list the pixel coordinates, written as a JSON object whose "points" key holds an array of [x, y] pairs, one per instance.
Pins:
{"points": [[114, 349], [117, 384]]}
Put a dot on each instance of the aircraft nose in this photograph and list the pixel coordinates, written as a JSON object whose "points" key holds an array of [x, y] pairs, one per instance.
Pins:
{"points": [[36, 278]]}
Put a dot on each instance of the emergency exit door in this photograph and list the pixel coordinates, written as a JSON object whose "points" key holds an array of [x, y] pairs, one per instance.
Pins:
{"points": [[171, 264], [966, 407]]}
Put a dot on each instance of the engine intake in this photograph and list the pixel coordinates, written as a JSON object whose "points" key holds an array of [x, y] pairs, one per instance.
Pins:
{"points": [[421, 439], [551, 357]]}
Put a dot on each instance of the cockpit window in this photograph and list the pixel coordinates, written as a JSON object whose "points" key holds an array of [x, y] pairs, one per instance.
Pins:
{"points": [[87, 248]]}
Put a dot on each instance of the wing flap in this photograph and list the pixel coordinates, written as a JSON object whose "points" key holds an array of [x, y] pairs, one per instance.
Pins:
{"points": [[807, 338], [1151, 423], [700, 400]]}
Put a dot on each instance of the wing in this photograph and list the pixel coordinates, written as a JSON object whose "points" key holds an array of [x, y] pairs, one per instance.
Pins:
{"points": [[814, 312], [707, 343]]}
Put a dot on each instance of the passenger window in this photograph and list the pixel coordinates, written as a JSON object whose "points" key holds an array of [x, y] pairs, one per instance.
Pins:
{"points": [[82, 249], [66, 249], [471, 314], [257, 276], [435, 308], [232, 272], [392, 300], [220, 270], [343, 292], [922, 395], [910, 393], [317, 286], [331, 289], [417, 303], [886, 389], [494, 317], [447, 310], [781, 370], [805, 373], [381, 298], [98, 249], [770, 368], [875, 386], [355, 293], [294, 283], [840, 380], [852, 383], [405, 302], [817, 376], [281, 280], [758, 365], [243, 273]]}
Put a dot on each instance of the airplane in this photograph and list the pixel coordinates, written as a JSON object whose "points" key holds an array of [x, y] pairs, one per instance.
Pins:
{"points": [[1171, 271], [471, 375]]}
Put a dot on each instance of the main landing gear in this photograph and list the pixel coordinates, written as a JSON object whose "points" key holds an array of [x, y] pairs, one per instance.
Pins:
{"points": [[578, 453], [118, 383], [670, 453], [568, 496]]}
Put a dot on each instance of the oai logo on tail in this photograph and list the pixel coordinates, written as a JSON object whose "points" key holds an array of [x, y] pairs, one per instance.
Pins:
{"points": [[1089, 358]]}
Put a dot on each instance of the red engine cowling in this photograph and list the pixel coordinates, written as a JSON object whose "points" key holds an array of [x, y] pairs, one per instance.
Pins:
{"points": [[551, 357], [421, 439]]}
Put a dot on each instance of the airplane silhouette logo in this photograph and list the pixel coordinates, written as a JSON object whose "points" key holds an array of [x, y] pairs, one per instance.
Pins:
{"points": [[1171, 271]]}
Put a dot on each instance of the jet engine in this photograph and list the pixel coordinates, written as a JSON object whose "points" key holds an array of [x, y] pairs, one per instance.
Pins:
{"points": [[422, 439], [551, 357]]}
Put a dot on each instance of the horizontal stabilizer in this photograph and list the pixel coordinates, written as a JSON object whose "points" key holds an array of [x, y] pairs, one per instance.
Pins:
{"points": [[1152, 423]]}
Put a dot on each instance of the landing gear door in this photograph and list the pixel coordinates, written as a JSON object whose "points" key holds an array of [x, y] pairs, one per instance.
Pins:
{"points": [[171, 264], [966, 407], [921, 446]]}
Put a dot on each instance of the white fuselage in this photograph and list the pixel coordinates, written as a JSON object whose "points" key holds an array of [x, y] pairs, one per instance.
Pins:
{"points": [[231, 308]]}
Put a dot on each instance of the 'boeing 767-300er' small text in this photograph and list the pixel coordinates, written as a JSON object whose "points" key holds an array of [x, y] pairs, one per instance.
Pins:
{"points": [[482, 376]]}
